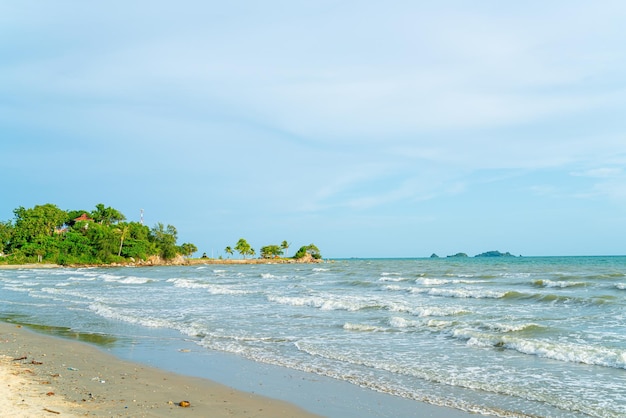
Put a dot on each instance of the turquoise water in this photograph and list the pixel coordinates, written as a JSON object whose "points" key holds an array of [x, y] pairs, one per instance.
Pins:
{"points": [[508, 336]]}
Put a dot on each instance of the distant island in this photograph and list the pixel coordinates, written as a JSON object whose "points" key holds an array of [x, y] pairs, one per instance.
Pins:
{"points": [[495, 254], [485, 254], [458, 255]]}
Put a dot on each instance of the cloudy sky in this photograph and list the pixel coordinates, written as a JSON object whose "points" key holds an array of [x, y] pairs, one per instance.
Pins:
{"points": [[372, 129]]}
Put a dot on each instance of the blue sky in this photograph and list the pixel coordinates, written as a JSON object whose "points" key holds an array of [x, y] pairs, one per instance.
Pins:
{"points": [[372, 129]]}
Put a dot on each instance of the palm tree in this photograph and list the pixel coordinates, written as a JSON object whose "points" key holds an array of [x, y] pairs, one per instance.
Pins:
{"points": [[243, 247], [285, 245], [122, 230], [228, 251]]}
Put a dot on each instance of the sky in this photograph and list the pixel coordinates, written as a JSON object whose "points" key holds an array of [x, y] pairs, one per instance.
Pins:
{"points": [[368, 128]]}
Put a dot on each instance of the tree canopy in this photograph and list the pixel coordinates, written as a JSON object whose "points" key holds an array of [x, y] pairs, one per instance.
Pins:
{"points": [[48, 233], [311, 250], [243, 248]]}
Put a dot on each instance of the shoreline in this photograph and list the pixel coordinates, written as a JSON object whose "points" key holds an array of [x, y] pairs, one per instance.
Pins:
{"points": [[159, 263], [46, 376], [65, 374]]}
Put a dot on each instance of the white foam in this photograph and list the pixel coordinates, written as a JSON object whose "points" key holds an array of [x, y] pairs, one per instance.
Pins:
{"points": [[441, 282], [134, 280], [325, 304], [461, 293], [393, 279], [506, 328], [362, 327], [270, 276], [111, 313], [558, 284], [110, 277], [213, 289], [399, 322], [560, 351], [569, 352], [438, 311]]}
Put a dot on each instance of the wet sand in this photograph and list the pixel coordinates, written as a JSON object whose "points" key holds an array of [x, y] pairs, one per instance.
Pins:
{"points": [[49, 376]]}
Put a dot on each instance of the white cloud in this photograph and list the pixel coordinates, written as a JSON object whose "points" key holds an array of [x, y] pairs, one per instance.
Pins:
{"points": [[603, 172]]}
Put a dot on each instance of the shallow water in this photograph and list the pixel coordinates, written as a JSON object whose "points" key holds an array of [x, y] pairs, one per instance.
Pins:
{"points": [[507, 336]]}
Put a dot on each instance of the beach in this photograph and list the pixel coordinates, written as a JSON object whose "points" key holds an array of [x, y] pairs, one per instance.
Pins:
{"points": [[48, 376]]}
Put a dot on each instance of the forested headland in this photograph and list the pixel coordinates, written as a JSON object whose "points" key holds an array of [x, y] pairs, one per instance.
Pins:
{"points": [[48, 234]]}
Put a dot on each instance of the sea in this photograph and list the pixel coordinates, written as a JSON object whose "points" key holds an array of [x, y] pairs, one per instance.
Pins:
{"points": [[502, 336]]}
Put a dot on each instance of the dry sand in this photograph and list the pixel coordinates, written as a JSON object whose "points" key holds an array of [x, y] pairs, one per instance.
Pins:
{"points": [[47, 376]]}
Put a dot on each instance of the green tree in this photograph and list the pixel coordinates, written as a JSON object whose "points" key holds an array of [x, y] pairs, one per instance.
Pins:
{"points": [[188, 249], [228, 251], [104, 242], [243, 248], [122, 230], [107, 215], [285, 246], [75, 248], [48, 233], [6, 233], [165, 240], [271, 251], [33, 224], [310, 249]]}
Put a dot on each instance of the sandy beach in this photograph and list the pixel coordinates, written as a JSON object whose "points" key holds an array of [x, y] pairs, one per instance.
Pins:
{"points": [[49, 376]]}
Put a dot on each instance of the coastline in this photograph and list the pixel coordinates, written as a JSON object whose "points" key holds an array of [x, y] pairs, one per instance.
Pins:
{"points": [[179, 261], [46, 376]]}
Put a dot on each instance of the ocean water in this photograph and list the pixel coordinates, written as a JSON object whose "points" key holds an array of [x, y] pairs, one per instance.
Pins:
{"points": [[532, 336]]}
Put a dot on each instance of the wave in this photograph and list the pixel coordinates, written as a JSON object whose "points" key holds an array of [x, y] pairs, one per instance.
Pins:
{"points": [[440, 282], [362, 327], [560, 351], [130, 316], [461, 293], [326, 303], [511, 328], [358, 283], [554, 298], [213, 289], [439, 311], [560, 283], [271, 276], [467, 293], [134, 280], [393, 279], [398, 322]]}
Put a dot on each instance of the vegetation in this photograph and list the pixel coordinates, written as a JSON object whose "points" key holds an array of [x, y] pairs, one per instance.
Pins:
{"points": [[274, 251], [46, 233], [271, 251], [243, 248], [311, 250]]}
